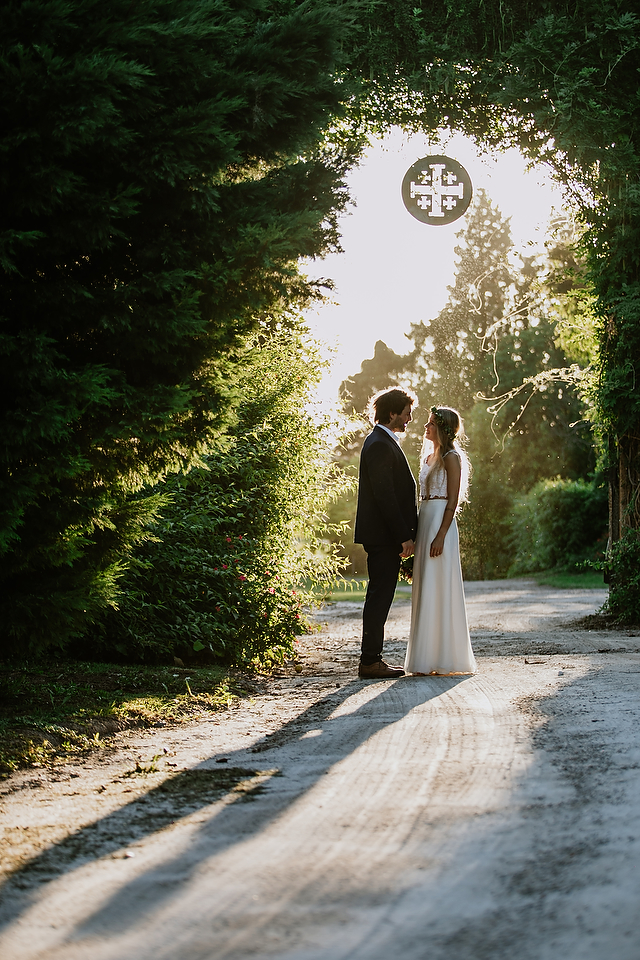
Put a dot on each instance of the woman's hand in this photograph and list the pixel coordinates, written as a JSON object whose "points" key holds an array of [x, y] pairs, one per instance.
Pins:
{"points": [[437, 545]]}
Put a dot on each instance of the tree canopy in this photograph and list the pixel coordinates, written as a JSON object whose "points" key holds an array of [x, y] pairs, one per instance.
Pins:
{"points": [[497, 331], [559, 81], [165, 165]]}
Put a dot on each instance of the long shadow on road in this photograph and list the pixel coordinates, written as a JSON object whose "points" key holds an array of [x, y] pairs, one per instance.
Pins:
{"points": [[336, 737]]}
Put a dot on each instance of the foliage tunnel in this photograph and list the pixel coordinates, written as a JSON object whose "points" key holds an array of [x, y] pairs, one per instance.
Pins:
{"points": [[165, 165], [559, 81]]}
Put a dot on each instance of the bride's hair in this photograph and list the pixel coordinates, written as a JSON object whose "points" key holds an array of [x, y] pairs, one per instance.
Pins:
{"points": [[451, 436]]}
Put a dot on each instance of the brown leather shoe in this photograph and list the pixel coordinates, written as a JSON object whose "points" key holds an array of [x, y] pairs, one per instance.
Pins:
{"points": [[379, 671]]}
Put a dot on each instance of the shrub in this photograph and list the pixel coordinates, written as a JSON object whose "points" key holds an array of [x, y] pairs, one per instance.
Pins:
{"points": [[559, 524], [484, 526], [240, 533], [623, 567]]}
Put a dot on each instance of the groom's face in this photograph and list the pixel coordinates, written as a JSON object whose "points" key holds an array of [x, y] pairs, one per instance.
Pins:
{"points": [[399, 421]]}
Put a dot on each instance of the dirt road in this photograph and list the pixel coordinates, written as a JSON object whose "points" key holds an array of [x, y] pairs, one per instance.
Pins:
{"points": [[491, 817]]}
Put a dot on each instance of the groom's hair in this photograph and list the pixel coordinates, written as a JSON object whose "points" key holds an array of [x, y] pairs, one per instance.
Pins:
{"points": [[385, 403]]}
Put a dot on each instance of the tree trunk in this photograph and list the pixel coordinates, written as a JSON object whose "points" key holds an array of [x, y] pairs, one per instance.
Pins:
{"points": [[624, 486]]}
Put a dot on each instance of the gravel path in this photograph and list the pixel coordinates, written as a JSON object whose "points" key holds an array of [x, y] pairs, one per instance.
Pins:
{"points": [[329, 818]]}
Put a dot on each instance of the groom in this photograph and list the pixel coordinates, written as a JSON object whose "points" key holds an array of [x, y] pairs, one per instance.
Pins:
{"points": [[386, 521]]}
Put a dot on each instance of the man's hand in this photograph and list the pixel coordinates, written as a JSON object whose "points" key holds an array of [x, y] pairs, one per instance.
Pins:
{"points": [[408, 549]]}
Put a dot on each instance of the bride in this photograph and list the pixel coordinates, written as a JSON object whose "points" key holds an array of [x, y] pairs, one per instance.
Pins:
{"points": [[439, 638]]}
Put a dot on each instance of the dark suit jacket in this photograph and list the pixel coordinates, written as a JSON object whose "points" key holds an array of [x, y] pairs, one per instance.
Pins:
{"points": [[387, 511]]}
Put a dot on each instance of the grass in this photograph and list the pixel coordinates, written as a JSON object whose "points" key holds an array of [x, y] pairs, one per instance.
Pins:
{"points": [[354, 589], [589, 580], [64, 709]]}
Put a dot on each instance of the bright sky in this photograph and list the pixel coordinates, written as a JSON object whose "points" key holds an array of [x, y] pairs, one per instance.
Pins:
{"points": [[395, 270]]}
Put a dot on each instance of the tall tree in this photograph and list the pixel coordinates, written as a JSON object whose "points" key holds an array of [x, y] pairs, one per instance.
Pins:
{"points": [[560, 82], [497, 330], [464, 336], [164, 165]]}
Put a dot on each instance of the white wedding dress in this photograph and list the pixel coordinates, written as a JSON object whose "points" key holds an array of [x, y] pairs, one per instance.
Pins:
{"points": [[439, 637]]}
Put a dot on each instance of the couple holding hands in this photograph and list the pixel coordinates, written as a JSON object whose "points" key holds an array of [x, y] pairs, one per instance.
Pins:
{"points": [[389, 528]]}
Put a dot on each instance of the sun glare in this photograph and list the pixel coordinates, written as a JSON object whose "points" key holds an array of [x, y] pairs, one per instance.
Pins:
{"points": [[394, 270]]}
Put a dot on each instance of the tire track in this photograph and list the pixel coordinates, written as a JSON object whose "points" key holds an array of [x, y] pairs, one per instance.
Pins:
{"points": [[399, 771], [430, 817]]}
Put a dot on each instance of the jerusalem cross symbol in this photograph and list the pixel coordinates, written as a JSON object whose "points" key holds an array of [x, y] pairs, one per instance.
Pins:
{"points": [[436, 190]]}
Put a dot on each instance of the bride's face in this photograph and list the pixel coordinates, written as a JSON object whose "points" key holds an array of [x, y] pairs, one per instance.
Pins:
{"points": [[431, 430]]}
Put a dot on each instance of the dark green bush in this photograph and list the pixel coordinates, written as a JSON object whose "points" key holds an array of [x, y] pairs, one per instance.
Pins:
{"points": [[204, 586], [623, 567], [163, 167], [559, 524], [240, 533]]}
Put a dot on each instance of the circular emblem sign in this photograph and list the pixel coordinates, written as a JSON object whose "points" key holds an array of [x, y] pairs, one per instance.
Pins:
{"points": [[436, 190]]}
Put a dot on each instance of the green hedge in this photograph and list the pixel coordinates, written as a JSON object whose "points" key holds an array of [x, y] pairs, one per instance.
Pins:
{"points": [[623, 567], [164, 166], [558, 525], [239, 548]]}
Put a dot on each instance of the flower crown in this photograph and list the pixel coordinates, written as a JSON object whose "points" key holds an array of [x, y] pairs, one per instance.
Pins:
{"points": [[442, 423]]}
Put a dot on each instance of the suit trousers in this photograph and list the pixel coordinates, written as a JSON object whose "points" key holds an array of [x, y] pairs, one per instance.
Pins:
{"points": [[383, 564]]}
